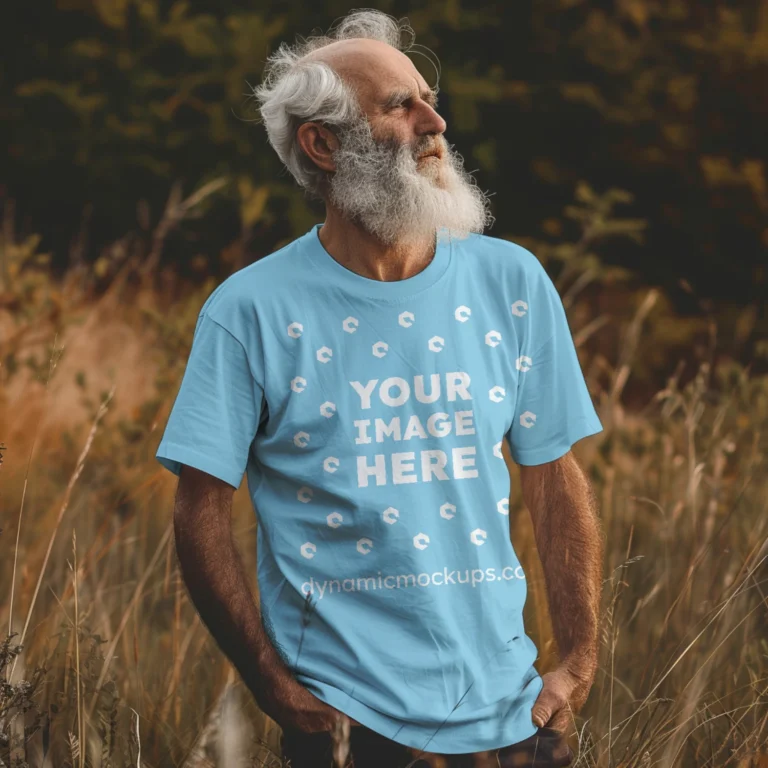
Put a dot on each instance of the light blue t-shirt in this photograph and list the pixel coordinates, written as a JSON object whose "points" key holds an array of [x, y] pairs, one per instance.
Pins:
{"points": [[368, 417]]}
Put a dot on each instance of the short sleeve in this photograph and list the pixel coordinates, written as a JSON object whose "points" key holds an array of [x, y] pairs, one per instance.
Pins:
{"points": [[553, 408], [216, 413]]}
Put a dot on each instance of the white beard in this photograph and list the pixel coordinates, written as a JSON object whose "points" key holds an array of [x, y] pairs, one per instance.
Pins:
{"points": [[395, 198]]}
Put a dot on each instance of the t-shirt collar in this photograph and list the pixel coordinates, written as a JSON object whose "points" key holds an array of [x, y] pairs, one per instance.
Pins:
{"points": [[380, 289]]}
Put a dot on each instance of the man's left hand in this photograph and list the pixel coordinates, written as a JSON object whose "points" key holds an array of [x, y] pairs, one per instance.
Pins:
{"points": [[563, 694]]}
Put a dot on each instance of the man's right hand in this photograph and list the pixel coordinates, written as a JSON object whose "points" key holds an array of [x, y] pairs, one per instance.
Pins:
{"points": [[292, 705]]}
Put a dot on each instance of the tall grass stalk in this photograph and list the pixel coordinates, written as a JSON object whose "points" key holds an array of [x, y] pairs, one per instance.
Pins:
{"points": [[682, 484]]}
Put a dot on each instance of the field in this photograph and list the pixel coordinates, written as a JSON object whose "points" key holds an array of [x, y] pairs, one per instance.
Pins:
{"points": [[88, 378]]}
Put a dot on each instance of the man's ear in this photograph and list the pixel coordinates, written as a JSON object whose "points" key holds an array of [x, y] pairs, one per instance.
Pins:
{"points": [[319, 143]]}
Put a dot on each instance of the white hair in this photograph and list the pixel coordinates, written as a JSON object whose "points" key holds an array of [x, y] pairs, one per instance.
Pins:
{"points": [[295, 91]]}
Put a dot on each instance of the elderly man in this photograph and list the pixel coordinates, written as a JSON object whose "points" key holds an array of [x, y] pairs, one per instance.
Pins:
{"points": [[364, 378]]}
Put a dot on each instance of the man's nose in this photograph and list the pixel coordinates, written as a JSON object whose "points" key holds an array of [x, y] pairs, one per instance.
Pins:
{"points": [[430, 121], [434, 123]]}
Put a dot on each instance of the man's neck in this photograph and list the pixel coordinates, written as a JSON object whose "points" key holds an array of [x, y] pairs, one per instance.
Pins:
{"points": [[360, 252]]}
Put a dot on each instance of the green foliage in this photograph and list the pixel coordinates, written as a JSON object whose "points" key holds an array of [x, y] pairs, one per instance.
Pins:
{"points": [[106, 103]]}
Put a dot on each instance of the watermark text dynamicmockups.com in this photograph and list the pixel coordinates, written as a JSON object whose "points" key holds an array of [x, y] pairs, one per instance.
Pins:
{"points": [[474, 577]]}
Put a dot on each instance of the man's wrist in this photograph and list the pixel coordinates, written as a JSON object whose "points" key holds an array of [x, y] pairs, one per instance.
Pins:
{"points": [[266, 669], [581, 664]]}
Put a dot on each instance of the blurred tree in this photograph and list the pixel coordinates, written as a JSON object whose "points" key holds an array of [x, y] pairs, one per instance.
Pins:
{"points": [[106, 103]]}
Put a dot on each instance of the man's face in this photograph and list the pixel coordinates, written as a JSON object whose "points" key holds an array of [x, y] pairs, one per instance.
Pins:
{"points": [[394, 191], [401, 110], [395, 175]]}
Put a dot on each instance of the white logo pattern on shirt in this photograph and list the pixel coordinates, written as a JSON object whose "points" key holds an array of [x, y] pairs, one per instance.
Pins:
{"points": [[406, 319], [436, 343], [380, 348], [391, 515]]}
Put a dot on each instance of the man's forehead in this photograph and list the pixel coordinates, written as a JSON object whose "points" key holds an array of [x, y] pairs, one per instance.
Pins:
{"points": [[375, 68]]}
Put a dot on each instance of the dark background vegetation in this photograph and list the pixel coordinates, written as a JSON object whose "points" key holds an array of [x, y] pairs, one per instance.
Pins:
{"points": [[106, 102]]}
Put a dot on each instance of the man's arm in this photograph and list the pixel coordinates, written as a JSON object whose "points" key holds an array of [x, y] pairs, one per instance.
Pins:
{"points": [[218, 587], [569, 539]]}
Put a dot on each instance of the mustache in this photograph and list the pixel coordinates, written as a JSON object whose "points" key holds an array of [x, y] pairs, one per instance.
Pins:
{"points": [[431, 144]]}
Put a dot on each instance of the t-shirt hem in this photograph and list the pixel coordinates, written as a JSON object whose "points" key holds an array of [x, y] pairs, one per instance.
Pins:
{"points": [[172, 456], [580, 430], [448, 738]]}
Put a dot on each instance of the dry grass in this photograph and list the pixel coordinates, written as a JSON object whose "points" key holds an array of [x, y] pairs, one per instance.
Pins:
{"points": [[117, 670]]}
